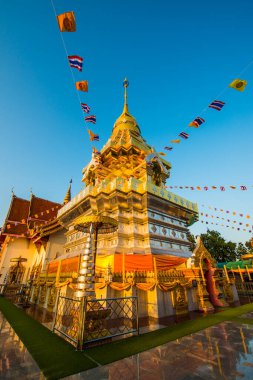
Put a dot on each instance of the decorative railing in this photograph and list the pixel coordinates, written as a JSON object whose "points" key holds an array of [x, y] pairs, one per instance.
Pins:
{"points": [[245, 289], [82, 321], [68, 319], [148, 276]]}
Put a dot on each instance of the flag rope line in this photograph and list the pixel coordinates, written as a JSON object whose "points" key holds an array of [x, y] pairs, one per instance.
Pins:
{"points": [[222, 225], [71, 70], [213, 188], [205, 109], [234, 213], [237, 222]]}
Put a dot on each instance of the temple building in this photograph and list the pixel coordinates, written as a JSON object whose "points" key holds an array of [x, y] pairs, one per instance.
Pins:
{"points": [[22, 249], [149, 253]]}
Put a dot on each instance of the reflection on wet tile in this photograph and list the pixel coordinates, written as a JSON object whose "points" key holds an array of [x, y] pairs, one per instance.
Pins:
{"points": [[220, 352], [247, 315], [15, 360]]}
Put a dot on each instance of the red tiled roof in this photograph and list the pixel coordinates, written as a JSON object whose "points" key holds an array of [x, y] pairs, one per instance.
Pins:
{"points": [[41, 211], [24, 215], [15, 223]]}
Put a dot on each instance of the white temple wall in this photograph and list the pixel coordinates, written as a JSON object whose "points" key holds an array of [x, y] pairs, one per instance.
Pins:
{"points": [[142, 303], [55, 247], [165, 306], [20, 247], [192, 299]]}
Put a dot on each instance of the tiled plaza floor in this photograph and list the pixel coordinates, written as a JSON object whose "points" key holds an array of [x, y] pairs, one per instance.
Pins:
{"points": [[15, 360], [224, 351], [219, 352]]}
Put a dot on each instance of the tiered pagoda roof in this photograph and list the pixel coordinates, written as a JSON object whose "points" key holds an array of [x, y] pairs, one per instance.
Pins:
{"points": [[26, 217]]}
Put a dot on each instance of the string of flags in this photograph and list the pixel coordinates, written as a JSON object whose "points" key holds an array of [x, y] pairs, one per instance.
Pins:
{"points": [[237, 84], [234, 213], [226, 220], [206, 188], [67, 23], [227, 226]]}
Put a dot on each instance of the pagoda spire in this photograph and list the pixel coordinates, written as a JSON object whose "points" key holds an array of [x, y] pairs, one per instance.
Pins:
{"points": [[125, 84], [68, 194]]}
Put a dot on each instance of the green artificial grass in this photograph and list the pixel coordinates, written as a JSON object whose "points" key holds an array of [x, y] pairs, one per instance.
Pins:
{"points": [[57, 358], [241, 320]]}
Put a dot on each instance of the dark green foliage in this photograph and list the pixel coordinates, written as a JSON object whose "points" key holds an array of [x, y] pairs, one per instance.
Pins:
{"points": [[191, 239], [220, 249], [248, 245]]}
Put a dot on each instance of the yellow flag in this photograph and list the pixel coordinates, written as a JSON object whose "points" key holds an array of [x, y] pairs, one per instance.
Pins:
{"points": [[93, 136], [238, 84], [67, 22], [176, 141], [162, 154], [82, 86]]}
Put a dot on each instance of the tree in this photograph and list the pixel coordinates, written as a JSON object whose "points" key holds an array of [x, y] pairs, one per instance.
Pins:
{"points": [[220, 249], [242, 249], [249, 244], [192, 240]]}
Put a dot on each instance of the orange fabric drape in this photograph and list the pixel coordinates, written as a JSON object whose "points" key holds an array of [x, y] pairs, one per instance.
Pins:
{"points": [[120, 286], [145, 286], [138, 263], [166, 262], [100, 285], [133, 263], [70, 265], [166, 287], [52, 268]]}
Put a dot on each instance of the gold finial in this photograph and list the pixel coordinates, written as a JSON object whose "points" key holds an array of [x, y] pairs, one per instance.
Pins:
{"points": [[125, 84], [68, 194]]}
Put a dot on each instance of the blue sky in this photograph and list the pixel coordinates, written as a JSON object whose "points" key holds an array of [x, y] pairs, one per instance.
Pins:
{"points": [[178, 56]]}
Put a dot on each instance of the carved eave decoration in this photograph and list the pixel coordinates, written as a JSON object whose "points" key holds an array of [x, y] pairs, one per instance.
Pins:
{"points": [[200, 253], [50, 228]]}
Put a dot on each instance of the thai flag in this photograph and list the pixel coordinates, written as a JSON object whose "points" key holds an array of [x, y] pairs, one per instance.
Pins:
{"points": [[197, 122], [76, 62], [168, 147], [184, 135], [217, 105], [85, 107], [91, 119], [96, 137]]}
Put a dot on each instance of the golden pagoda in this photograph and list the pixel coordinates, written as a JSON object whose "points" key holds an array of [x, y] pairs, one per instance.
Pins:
{"points": [[143, 250], [126, 181]]}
